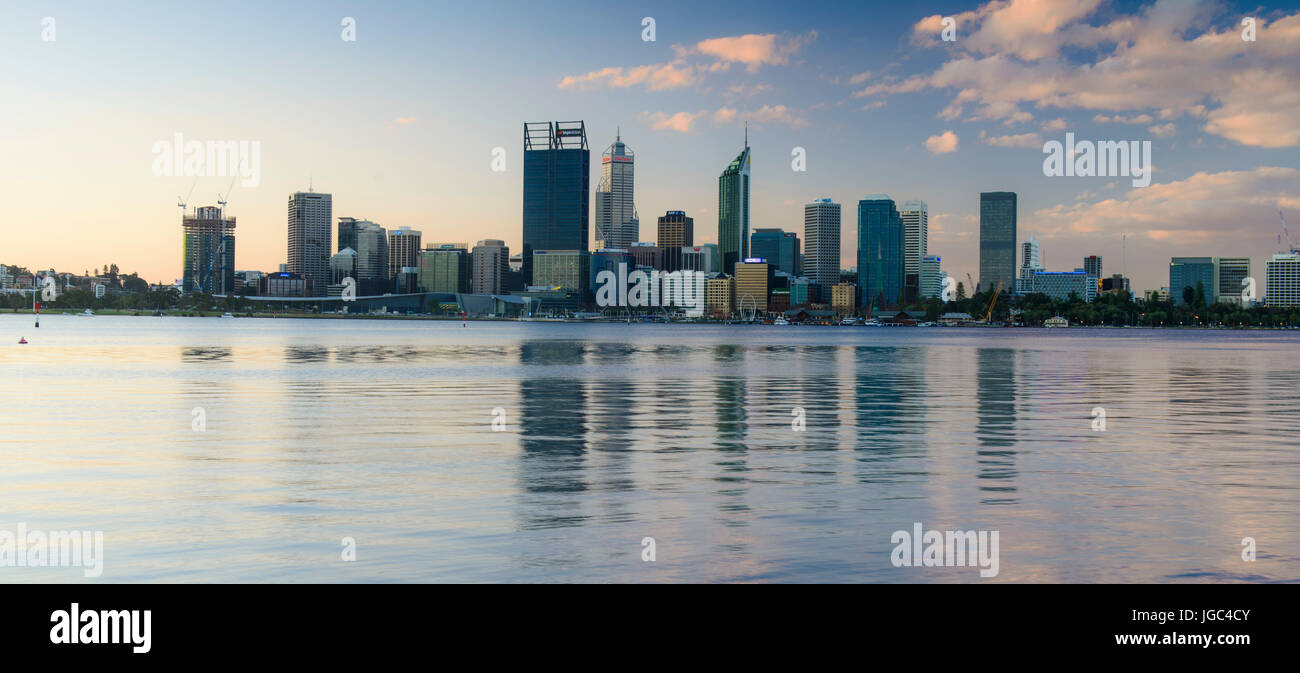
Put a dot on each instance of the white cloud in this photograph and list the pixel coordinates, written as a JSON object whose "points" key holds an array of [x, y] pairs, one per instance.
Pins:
{"points": [[942, 143]]}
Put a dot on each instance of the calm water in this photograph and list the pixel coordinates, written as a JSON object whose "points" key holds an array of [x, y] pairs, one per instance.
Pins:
{"points": [[317, 430]]}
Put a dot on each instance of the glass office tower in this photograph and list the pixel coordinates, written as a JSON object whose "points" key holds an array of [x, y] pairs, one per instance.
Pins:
{"points": [[557, 188], [881, 264], [733, 211], [997, 240]]}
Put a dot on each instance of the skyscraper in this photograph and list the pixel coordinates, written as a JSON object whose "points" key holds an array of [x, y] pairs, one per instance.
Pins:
{"points": [[370, 242], [617, 225], [1189, 272], [676, 230], [208, 264], [311, 220], [930, 281], [997, 240], [916, 244], [445, 268], [1029, 264], [557, 188], [403, 250], [821, 236], [1229, 274], [780, 248], [733, 211], [1282, 280], [491, 265], [880, 252], [1092, 265]]}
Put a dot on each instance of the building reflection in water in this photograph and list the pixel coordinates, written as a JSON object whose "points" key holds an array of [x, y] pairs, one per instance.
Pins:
{"points": [[995, 428], [552, 428]]}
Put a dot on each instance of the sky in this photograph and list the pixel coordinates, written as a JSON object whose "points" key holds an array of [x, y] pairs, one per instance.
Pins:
{"points": [[401, 124]]}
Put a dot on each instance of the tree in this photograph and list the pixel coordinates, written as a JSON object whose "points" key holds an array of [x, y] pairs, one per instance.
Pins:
{"points": [[1189, 295]]}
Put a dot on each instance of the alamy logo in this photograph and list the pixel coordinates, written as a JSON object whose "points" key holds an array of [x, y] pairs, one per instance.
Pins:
{"points": [[219, 158], [1105, 158], [103, 627], [953, 548], [56, 548], [657, 288]]}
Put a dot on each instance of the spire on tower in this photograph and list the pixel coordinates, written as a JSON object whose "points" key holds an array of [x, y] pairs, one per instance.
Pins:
{"points": [[746, 134]]}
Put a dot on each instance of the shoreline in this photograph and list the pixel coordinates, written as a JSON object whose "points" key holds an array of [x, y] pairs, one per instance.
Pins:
{"points": [[71, 312]]}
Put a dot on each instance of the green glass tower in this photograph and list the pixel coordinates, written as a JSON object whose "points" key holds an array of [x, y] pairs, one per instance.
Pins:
{"points": [[733, 211]]}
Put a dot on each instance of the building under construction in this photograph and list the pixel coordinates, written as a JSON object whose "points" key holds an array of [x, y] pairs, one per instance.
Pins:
{"points": [[209, 257]]}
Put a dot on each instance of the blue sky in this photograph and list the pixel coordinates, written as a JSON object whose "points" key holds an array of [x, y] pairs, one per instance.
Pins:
{"points": [[400, 124]]}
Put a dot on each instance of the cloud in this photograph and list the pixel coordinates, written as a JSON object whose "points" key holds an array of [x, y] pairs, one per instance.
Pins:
{"points": [[1023, 140], [1058, 124], [755, 50], [406, 120], [874, 105], [1121, 119], [942, 144], [681, 122], [653, 77], [1167, 59], [1162, 130], [1226, 208], [724, 115]]}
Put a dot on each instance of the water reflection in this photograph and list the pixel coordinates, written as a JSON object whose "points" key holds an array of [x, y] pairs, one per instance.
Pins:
{"points": [[995, 430]]}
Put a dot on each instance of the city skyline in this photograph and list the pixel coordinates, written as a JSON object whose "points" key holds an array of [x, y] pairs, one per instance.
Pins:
{"points": [[843, 88]]}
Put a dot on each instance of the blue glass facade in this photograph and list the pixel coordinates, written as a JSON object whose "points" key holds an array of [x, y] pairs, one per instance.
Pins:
{"points": [[1187, 272], [997, 240], [880, 253], [557, 189], [778, 247]]}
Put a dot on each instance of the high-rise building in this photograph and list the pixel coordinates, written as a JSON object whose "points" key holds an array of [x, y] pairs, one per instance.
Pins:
{"points": [[1229, 273], [930, 277], [733, 211], [208, 264], [445, 268], [490, 267], [779, 247], [1092, 265], [371, 243], [821, 236], [676, 230], [343, 264], [568, 270], [1029, 264], [403, 249], [719, 296], [1282, 280], [311, 222], [347, 233], [753, 283], [1185, 272], [844, 298], [699, 258], [557, 190], [997, 240], [916, 245], [880, 252], [648, 255], [617, 224]]}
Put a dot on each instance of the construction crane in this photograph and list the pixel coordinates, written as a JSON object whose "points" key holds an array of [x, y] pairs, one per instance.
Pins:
{"points": [[1289, 245], [183, 202], [970, 287], [988, 318]]}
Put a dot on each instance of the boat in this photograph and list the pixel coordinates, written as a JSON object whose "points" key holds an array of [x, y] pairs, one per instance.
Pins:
{"points": [[227, 315], [1056, 321], [87, 313], [872, 323], [22, 340], [780, 321]]}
